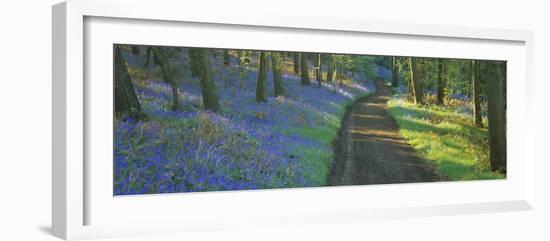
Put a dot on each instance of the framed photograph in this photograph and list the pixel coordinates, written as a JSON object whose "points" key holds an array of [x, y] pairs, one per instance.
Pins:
{"points": [[178, 121]]}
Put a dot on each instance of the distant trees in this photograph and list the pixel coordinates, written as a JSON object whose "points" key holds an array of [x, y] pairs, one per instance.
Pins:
{"points": [[243, 60], [126, 101], [261, 88], [384, 61], [277, 78], [394, 72], [361, 65], [304, 69], [338, 65], [341, 67]]}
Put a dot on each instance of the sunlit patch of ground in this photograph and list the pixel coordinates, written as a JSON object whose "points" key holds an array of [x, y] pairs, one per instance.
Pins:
{"points": [[445, 137]]}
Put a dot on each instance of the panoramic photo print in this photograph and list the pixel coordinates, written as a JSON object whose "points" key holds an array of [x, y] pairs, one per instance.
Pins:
{"points": [[201, 119]]}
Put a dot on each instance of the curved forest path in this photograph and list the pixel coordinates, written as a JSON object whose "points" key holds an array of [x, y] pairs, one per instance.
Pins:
{"points": [[370, 150]]}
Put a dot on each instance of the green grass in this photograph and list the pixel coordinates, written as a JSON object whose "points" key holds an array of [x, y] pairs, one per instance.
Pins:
{"points": [[457, 148], [317, 162]]}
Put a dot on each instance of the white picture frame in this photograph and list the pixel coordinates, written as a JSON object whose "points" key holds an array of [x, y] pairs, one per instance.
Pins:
{"points": [[73, 192]]}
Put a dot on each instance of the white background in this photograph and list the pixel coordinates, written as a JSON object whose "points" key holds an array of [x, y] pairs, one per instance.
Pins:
{"points": [[25, 120]]}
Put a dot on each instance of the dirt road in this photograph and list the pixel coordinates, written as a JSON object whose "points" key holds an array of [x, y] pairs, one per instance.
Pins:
{"points": [[370, 150]]}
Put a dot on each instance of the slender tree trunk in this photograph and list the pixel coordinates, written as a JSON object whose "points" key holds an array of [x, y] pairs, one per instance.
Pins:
{"points": [[277, 78], [261, 92], [239, 60], [496, 97], [241, 68], [331, 69], [341, 79], [340, 74], [415, 83], [318, 75], [208, 87], [410, 90], [475, 93], [410, 85], [126, 101], [394, 74], [304, 69], [296, 58], [441, 83], [226, 57]]}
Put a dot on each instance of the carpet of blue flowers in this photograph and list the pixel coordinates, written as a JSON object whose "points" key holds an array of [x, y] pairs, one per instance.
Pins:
{"points": [[283, 143]]}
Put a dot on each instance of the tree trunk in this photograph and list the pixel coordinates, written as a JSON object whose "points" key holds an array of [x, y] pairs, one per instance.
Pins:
{"points": [[194, 62], [208, 87], [331, 69], [318, 75], [161, 59], [135, 50], [441, 83], [304, 69], [394, 75], [475, 93], [296, 58], [169, 78], [226, 57], [340, 74], [241, 68], [126, 101], [261, 92], [410, 92], [341, 78], [167, 75], [410, 86], [415, 83], [277, 78], [496, 97], [239, 61]]}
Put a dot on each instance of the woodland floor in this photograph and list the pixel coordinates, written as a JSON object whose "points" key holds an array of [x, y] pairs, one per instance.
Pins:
{"points": [[370, 150]]}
